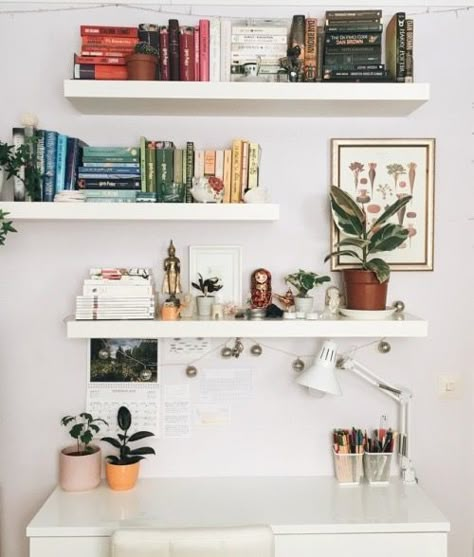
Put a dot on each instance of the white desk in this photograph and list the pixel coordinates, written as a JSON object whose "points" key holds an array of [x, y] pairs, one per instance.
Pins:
{"points": [[310, 516]]}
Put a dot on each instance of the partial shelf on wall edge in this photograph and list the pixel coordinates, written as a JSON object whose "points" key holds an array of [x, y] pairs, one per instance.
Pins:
{"points": [[245, 99], [142, 211], [401, 325]]}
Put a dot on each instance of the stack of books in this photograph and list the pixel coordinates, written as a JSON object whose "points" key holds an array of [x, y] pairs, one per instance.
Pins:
{"points": [[103, 52], [110, 174], [117, 293]]}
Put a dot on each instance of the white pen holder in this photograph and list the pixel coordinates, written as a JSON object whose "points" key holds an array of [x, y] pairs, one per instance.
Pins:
{"points": [[348, 468], [377, 467]]}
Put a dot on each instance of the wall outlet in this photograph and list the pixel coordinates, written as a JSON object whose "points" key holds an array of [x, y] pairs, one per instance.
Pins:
{"points": [[450, 387]]}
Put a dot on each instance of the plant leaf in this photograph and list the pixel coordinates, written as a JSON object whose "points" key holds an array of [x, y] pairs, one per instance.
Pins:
{"points": [[140, 435], [112, 441], [380, 268], [357, 242], [86, 437], [392, 210], [350, 253], [112, 459], [76, 431], [124, 418], [142, 450], [387, 238], [347, 215]]}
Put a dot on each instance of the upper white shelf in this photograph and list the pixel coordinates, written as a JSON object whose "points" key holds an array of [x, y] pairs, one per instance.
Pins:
{"points": [[143, 211], [246, 99], [402, 325]]}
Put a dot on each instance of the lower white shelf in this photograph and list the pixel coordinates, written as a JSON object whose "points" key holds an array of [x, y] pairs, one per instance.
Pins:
{"points": [[403, 325]]}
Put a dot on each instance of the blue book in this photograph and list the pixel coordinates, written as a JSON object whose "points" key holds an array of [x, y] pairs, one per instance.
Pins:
{"points": [[109, 170], [50, 148], [61, 153], [73, 159]]}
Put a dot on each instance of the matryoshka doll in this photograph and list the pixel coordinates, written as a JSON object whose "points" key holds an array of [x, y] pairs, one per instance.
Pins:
{"points": [[261, 289]]}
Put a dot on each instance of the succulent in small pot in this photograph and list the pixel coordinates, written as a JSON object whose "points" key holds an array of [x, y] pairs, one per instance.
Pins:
{"points": [[304, 282], [122, 470], [141, 64], [366, 284], [80, 464], [206, 287]]}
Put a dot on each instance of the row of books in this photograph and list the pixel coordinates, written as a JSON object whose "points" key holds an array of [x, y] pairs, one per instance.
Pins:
{"points": [[117, 293], [345, 45]]}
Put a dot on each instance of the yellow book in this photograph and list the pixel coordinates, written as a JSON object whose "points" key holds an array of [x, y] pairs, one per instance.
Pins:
{"points": [[245, 167], [254, 162], [236, 179], [227, 174]]}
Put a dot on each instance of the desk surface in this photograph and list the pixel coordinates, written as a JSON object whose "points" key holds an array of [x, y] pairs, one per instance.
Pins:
{"points": [[291, 505]]}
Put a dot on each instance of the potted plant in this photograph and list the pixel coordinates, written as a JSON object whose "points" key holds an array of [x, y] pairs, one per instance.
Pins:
{"points": [[366, 285], [21, 163], [141, 65], [80, 464], [122, 471], [206, 287], [304, 281]]}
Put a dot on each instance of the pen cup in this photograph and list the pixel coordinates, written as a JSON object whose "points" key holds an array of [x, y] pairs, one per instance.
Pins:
{"points": [[348, 467], [377, 467]]}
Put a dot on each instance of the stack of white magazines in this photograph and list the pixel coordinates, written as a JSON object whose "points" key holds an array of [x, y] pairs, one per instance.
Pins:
{"points": [[117, 293]]}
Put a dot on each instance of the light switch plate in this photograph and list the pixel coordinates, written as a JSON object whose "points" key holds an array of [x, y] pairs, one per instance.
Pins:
{"points": [[450, 387]]}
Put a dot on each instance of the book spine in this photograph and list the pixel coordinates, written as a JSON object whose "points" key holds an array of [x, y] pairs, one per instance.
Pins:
{"points": [[297, 40], [198, 163], [204, 50], [245, 167], [236, 178], [395, 51], [151, 166], [103, 60], [310, 49], [19, 190], [164, 54], [131, 151], [219, 169], [125, 184], [178, 166], [227, 175], [173, 35], [186, 57], [352, 39], [351, 27], [353, 14], [113, 41], [61, 153], [189, 170], [106, 30], [319, 52], [116, 291], [164, 171], [99, 71], [401, 46], [129, 171], [143, 169], [209, 163], [111, 161], [105, 52], [254, 163], [197, 54], [214, 50], [50, 147], [226, 31], [409, 75], [111, 165], [107, 176], [40, 148]]}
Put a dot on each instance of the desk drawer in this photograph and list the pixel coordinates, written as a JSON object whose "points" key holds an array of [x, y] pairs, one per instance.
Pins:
{"points": [[70, 547]]}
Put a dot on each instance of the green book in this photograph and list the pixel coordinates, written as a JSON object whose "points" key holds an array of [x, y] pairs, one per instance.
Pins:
{"points": [[164, 171], [125, 152], [143, 173]]}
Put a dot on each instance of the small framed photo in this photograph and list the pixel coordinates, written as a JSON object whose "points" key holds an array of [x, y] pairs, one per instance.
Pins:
{"points": [[224, 262], [376, 172]]}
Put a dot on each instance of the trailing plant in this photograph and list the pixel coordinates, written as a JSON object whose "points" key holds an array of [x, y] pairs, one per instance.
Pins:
{"points": [[21, 163], [361, 240], [145, 48], [304, 281], [83, 429], [207, 286], [126, 454], [5, 227]]}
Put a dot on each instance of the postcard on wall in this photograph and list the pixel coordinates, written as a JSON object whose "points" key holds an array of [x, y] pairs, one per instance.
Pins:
{"points": [[124, 372], [377, 172]]}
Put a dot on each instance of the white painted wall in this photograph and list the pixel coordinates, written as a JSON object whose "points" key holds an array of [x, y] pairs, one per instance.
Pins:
{"points": [[280, 431]]}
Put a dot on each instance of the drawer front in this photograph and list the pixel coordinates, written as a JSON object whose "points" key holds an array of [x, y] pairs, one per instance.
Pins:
{"points": [[69, 547], [362, 545]]}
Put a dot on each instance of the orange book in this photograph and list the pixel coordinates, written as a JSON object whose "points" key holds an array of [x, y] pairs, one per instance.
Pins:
{"points": [[89, 40], [99, 71], [209, 163]]}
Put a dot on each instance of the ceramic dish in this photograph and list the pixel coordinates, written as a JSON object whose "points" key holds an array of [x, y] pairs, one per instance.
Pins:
{"points": [[367, 314]]}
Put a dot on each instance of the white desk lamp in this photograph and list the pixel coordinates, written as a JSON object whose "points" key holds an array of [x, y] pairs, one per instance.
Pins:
{"points": [[321, 377]]}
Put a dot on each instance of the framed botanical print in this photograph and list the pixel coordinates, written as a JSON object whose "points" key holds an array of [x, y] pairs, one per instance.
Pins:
{"points": [[377, 172]]}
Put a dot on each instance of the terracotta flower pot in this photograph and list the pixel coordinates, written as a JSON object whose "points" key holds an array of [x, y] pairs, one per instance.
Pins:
{"points": [[141, 67], [79, 472], [364, 291], [121, 477]]}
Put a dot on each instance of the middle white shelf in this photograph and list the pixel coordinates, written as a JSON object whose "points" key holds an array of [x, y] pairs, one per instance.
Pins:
{"points": [[400, 325]]}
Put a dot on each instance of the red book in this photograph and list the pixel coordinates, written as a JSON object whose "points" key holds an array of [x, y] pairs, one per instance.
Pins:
{"points": [[164, 54], [197, 66], [204, 49], [128, 42], [105, 52], [110, 60], [98, 71], [186, 54], [107, 30]]}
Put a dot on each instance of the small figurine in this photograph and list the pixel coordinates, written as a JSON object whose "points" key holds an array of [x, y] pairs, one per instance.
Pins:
{"points": [[208, 189], [172, 278], [333, 300], [292, 63], [261, 289], [288, 300]]}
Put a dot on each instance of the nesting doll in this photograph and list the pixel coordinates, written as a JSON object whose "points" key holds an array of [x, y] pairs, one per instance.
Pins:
{"points": [[261, 289]]}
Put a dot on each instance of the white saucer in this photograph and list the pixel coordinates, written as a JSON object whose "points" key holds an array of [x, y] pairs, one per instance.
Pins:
{"points": [[367, 314]]}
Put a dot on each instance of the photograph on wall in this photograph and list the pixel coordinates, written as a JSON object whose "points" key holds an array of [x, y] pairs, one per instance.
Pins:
{"points": [[377, 172]]}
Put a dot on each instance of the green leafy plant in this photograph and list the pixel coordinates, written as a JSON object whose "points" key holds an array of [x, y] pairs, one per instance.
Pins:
{"points": [[21, 163], [304, 281], [5, 227], [145, 48], [207, 286], [83, 429], [126, 454], [362, 240]]}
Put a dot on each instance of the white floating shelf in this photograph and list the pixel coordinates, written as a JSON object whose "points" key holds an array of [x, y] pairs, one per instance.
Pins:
{"points": [[143, 211], [400, 326], [245, 99]]}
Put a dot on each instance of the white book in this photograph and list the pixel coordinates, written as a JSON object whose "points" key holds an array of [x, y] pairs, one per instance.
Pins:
{"points": [[118, 290], [226, 31], [214, 50], [219, 172], [260, 29], [262, 39], [198, 163]]}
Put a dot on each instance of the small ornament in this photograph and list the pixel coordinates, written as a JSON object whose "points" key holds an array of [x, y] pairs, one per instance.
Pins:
{"points": [[384, 347], [191, 371], [207, 189], [287, 299], [238, 348], [261, 289], [399, 306], [298, 365], [226, 352], [217, 311], [332, 300], [256, 350], [145, 374]]}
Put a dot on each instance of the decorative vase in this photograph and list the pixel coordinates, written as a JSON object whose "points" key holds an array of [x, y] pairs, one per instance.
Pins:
{"points": [[121, 477], [304, 305], [363, 291], [204, 304], [79, 472], [141, 67]]}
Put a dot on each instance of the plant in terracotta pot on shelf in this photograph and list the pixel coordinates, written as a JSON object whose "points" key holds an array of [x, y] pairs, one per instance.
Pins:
{"points": [[141, 64], [206, 287], [365, 285], [122, 471], [304, 282], [80, 464]]}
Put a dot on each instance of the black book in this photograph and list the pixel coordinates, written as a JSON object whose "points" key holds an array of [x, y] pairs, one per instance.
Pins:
{"points": [[173, 36], [395, 47], [352, 39]]}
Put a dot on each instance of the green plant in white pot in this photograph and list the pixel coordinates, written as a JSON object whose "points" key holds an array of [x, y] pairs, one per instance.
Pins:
{"points": [[304, 282], [365, 285], [206, 287]]}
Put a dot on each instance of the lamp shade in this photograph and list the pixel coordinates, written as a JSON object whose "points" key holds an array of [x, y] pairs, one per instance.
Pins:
{"points": [[321, 375]]}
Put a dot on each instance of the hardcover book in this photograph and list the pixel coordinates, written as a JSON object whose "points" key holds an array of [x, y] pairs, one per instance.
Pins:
{"points": [[61, 153], [409, 74], [107, 30], [164, 54], [173, 37], [186, 55], [395, 47], [204, 50], [310, 49], [50, 147], [100, 71]]}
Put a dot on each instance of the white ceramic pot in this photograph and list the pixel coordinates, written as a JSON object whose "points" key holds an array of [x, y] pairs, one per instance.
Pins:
{"points": [[204, 305], [79, 472], [304, 305]]}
